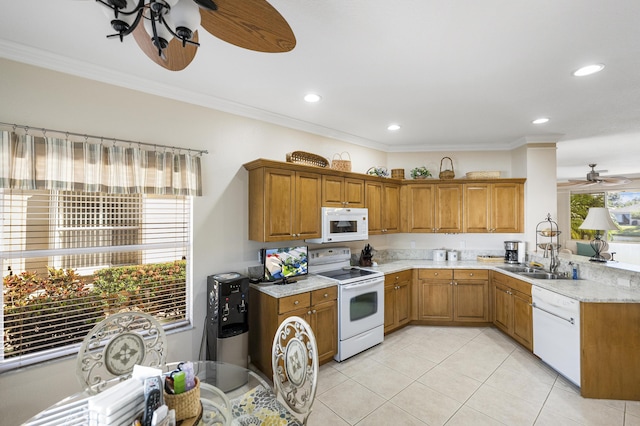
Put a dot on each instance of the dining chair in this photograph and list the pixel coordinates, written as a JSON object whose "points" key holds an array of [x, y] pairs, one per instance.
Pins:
{"points": [[294, 359], [117, 343]]}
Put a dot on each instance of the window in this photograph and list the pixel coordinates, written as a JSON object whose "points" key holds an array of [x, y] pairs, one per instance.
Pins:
{"points": [[69, 258], [624, 207]]}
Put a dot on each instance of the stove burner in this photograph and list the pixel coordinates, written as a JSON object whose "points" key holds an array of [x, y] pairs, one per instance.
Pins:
{"points": [[346, 273]]}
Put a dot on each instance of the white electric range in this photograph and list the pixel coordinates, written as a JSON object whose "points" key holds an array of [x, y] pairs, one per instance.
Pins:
{"points": [[360, 300]]}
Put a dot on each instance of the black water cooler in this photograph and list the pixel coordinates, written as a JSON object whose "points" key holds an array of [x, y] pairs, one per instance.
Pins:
{"points": [[228, 326]]}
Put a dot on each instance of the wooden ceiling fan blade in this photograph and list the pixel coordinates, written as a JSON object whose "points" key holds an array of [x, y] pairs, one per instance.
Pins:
{"points": [[176, 57], [573, 183], [612, 180], [250, 24]]}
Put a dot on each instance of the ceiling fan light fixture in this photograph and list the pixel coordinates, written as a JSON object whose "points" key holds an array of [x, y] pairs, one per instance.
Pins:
{"points": [[159, 33], [185, 17], [588, 70], [541, 120]]}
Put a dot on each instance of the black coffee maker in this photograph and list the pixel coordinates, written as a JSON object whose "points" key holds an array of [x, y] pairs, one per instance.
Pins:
{"points": [[511, 251]]}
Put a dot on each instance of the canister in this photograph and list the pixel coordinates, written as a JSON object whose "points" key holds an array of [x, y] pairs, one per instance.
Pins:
{"points": [[440, 255], [452, 256]]}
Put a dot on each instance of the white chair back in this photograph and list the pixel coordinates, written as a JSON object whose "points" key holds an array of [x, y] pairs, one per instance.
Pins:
{"points": [[115, 345], [295, 365]]}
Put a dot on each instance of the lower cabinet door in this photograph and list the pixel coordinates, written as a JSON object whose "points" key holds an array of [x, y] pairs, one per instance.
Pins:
{"points": [[471, 301], [324, 322], [403, 302], [436, 301], [522, 319], [502, 308], [389, 308]]}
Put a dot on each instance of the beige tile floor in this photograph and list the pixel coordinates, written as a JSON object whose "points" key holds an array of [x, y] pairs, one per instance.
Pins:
{"points": [[455, 376]]}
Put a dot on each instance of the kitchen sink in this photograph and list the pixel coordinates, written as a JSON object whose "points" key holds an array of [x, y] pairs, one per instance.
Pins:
{"points": [[518, 268], [540, 275]]}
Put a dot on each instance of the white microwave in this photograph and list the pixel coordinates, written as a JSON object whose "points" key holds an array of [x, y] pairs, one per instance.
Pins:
{"points": [[343, 224]]}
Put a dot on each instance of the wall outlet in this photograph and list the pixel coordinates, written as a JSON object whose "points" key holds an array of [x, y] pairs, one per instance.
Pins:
{"points": [[463, 244], [624, 282]]}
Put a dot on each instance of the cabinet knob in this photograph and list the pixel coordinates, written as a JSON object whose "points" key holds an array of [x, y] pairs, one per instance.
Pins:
{"points": [[471, 274], [455, 283], [296, 302], [326, 295], [314, 311], [308, 312], [435, 274]]}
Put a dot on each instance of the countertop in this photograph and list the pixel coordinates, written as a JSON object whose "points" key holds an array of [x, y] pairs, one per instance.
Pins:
{"points": [[581, 290]]}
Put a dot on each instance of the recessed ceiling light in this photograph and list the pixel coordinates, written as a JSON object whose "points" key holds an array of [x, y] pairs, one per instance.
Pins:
{"points": [[588, 70], [540, 120], [393, 127], [312, 97]]}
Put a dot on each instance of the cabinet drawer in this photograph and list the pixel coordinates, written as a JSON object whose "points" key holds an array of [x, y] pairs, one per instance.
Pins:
{"points": [[397, 277], [324, 295], [521, 286], [471, 274], [290, 303], [435, 274]]}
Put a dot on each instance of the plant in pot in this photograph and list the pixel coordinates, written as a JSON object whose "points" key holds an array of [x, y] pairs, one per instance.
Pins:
{"points": [[420, 173]]}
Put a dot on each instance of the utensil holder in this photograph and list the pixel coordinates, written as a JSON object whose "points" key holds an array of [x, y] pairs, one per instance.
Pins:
{"points": [[186, 404]]}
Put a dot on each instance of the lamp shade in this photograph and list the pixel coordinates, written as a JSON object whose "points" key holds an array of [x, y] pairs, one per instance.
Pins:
{"points": [[598, 219]]}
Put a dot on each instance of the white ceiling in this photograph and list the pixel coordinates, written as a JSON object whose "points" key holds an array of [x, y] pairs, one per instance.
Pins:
{"points": [[456, 75]]}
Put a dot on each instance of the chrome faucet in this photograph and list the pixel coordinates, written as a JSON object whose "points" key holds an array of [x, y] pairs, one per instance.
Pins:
{"points": [[554, 263]]}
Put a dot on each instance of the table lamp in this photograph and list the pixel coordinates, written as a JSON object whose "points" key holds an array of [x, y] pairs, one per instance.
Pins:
{"points": [[598, 219]]}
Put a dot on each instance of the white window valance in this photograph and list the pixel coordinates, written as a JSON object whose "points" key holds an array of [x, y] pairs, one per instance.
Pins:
{"points": [[30, 162]]}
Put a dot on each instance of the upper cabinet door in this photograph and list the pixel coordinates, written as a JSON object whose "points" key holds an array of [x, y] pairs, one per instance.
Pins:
{"points": [[418, 203], [339, 191], [448, 215], [494, 207], [279, 198], [507, 207], [373, 202], [391, 212], [284, 205], [477, 207], [307, 206]]}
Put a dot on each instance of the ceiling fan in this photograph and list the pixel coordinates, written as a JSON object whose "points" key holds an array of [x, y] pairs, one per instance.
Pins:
{"points": [[594, 178], [167, 30]]}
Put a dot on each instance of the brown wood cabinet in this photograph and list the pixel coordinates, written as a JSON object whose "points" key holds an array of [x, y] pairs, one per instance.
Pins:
{"points": [[432, 207], [338, 191], [493, 207], [283, 204], [512, 308], [397, 300], [383, 201], [610, 344], [318, 307], [448, 205], [285, 201], [418, 205], [453, 295]]}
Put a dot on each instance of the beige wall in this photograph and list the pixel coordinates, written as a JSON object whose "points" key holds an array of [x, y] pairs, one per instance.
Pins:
{"points": [[41, 98]]}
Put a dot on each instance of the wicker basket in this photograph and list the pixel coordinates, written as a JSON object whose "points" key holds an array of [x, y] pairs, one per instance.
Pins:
{"points": [[397, 173], [340, 163], [307, 158], [186, 404], [447, 174], [483, 175]]}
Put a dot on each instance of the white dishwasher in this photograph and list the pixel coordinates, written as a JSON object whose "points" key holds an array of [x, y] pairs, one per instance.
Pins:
{"points": [[556, 332]]}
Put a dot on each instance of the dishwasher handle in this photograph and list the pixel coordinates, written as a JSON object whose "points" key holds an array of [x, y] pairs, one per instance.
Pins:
{"points": [[569, 320]]}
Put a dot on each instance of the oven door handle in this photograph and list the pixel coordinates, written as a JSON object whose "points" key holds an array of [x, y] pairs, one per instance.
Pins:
{"points": [[369, 283]]}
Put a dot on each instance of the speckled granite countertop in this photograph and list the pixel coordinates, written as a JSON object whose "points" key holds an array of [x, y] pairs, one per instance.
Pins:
{"points": [[582, 290]]}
